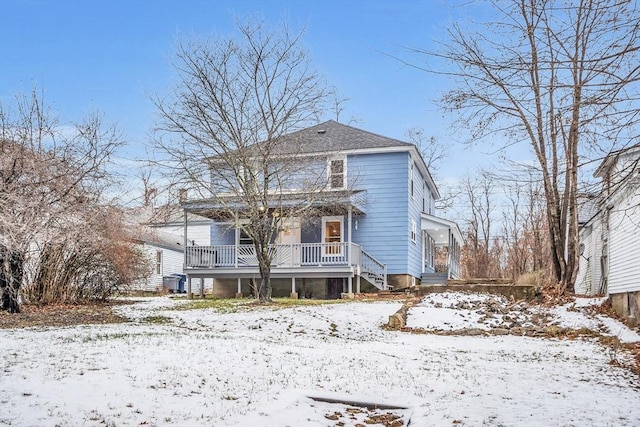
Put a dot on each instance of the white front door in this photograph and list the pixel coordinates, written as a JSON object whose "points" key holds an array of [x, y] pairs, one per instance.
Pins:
{"points": [[289, 243], [332, 236]]}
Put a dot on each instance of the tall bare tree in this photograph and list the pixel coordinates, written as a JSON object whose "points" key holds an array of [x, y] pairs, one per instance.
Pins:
{"points": [[559, 75], [221, 129], [52, 178], [434, 152], [478, 260]]}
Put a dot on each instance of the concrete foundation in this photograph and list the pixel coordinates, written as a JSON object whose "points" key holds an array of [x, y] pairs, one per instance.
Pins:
{"points": [[294, 295], [627, 306], [315, 288], [401, 281]]}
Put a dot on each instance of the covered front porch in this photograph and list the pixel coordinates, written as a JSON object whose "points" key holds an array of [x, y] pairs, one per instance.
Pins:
{"points": [[442, 241], [291, 261], [317, 246]]}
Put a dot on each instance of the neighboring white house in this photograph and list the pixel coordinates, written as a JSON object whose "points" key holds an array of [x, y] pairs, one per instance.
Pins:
{"points": [[610, 259], [161, 237], [590, 280], [165, 252], [169, 220]]}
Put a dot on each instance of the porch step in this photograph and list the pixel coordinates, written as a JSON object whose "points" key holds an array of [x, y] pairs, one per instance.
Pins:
{"points": [[430, 279], [374, 277]]}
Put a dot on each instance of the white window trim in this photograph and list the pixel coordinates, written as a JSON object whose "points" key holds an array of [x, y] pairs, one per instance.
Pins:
{"points": [[343, 158], [159, 262], [412, 190], [326, 219], [413, 233]]}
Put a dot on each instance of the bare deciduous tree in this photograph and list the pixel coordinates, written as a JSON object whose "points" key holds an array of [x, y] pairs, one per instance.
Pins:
{"points": [[50, 204], [563, 77], [221, 130], [478, 259], [434, 152]]}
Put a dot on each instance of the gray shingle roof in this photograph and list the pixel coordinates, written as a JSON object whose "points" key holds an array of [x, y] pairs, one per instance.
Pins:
{"points": [[333, 136]]}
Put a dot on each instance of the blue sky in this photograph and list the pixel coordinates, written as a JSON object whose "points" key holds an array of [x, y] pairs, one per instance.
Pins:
{"points": [[108, 55]]}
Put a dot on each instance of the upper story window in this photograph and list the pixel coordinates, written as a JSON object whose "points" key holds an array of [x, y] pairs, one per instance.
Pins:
{"points": [[337, 172], [411, 173]]}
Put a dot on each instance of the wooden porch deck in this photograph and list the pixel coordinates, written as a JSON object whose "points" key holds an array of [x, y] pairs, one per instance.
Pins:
{"points": [[289, 261]]}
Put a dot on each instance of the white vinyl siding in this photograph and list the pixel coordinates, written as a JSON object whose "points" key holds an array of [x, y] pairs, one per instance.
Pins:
{"points": [[200, 234], [171, 262], [589, 271], [624, 244]]}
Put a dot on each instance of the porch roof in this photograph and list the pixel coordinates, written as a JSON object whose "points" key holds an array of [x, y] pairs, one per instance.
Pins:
{"points": [[439, 228], [329, 202]]}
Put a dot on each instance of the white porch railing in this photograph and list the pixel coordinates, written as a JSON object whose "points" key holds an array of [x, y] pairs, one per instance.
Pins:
{"points": [[290, 255]]}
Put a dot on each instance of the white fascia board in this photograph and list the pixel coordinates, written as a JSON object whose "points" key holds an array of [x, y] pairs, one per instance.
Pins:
{"points": [[445, 223]]}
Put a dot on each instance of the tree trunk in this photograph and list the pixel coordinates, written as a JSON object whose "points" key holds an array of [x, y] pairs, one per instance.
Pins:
{"points": [[264, 265], [11, 279]]}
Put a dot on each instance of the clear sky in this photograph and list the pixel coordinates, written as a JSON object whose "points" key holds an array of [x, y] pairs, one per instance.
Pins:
{"points": [[107, 55]]}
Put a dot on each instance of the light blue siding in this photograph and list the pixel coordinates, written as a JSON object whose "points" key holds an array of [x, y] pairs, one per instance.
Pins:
{"points": [[414, 250], [383, 231]]}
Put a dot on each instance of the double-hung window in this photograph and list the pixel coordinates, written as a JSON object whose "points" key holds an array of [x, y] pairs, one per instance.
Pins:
{"points": [[337, 169], [411, 173], [158, 262]]}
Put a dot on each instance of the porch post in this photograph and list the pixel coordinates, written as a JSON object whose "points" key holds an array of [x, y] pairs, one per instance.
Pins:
{"points": [[424, 247], [189, 293], [358, 284], [239, 293], [349, 218], [185, 240], [294, 294], [350, 288], [449, 257], [201, 287]]}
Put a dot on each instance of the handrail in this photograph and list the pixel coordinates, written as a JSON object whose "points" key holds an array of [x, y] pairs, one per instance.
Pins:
{"points": [[373, 268]]}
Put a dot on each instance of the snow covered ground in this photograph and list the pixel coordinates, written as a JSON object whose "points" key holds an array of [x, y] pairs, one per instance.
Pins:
{"points": [[286, 367]]}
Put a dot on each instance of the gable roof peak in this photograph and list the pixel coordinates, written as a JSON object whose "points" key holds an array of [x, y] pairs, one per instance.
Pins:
{"points": [[330, 136]]}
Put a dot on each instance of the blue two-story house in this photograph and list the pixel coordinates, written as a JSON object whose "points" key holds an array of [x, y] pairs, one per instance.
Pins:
{"points": [[378, 231]]}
